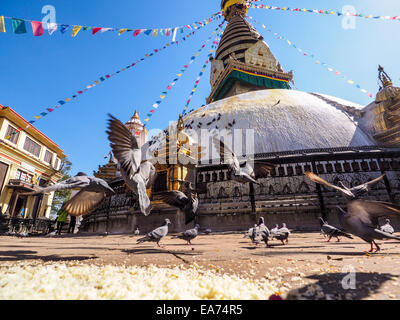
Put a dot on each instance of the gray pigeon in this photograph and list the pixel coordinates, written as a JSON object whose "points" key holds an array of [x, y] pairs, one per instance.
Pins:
{"points": [[242, 172], [254, 237], [137, 232], [157, 234], [349, 193], [138, 175], [263, 231], [92, 192], [387, 227], [361, 219], [189, 235], [248, 233], [282, 234], [187, 202], [274, 230], [331, 231]]}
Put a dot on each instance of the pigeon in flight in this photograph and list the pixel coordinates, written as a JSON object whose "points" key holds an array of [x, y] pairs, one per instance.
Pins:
{"points": [[349, 193], [92, 192], [189, 235], [331, 231], [187, 202], [387, 227], [242, 172], [361, 219], [157, 234], [138, 175], [282, 234]]}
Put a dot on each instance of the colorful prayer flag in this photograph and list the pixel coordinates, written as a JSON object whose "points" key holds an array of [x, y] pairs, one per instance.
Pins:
{"points": [[51, 27], [18, 26], [2, 25], [37, 28], [95, 30], [121, 31], [64, 28], [138, 31], [75, 30]]}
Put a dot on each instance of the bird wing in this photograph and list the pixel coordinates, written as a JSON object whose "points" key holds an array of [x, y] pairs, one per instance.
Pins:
{"points": [[190, 212], [144, 201], [175, 198], [190, 233], [72, 183], [83, 202], [124, 146], [368, 184], [262, 169], [368, 211], [158, 233], [148, 173], [227, 154], [313, 177]]}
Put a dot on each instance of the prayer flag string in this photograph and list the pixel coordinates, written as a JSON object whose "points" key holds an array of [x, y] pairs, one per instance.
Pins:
{"points": [[178, 76], [19, 27]]}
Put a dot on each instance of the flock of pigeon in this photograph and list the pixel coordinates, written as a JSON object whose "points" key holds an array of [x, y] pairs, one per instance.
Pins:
{"points": [[361, 218], [261, 233]]}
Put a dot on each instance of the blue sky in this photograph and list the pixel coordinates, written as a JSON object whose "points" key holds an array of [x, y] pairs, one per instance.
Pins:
{"points": [[36, 72]]}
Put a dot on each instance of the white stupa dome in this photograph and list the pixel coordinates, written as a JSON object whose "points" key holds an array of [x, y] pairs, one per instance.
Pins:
{"points": [[285, 120]]}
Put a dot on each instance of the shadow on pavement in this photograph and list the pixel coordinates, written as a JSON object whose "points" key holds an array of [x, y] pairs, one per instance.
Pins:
{"points": [[329, 286], [19, 255]]}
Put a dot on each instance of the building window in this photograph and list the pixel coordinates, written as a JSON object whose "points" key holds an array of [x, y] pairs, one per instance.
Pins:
{"points": [[12, 134], [32, 147], [23, 176], [56, 163], [48, 156]]}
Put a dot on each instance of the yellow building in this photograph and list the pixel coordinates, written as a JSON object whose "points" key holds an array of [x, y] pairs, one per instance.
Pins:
{"points": [[28, 159]]}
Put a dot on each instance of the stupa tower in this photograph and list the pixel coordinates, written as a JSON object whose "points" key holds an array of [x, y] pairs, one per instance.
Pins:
{"points": [[243, 61], [137, 128]]}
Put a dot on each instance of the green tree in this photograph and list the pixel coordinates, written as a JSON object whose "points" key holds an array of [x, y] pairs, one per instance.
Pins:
{"points": [[61, 196]]}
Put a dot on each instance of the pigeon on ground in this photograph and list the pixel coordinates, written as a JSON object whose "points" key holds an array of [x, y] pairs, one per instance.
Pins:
{"points": [[248, 233], [187, 202], [207, 231], [361, 220], [157, 234], [387, 227], [349, 193], [282, 234], [331, 231], [254, 237], [273, 231], [263, 231], [189, 235], [138, 175], [137, 232], [242, 172], [92, 192]]}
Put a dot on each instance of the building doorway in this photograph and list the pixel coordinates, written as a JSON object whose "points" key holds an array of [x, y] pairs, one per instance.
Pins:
{"points": [[21, 204]]}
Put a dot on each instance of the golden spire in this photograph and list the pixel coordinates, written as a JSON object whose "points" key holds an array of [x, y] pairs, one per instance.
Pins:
{"points": [[384, 78], [136, 115], [181, 124], [233, 7]]}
